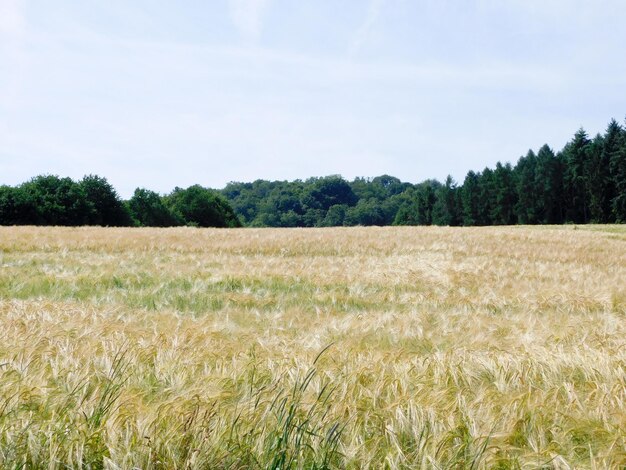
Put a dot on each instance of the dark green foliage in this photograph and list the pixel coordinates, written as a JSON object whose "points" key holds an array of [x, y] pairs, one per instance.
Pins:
{"points": [[487, 191], [379, 200], [366, 212], [380, 188], [322, 193], [9, 213], [51, 200], [585, 182], [317, 202], [417, 209], [201, 207], [447, 208], [109, 210], [243, 200], [267, 203], [503, 210], [615, 150], [148, 210], [576, 178], [599, 185], [335, 216], [471, 199], [548, 187], [527, 208]]}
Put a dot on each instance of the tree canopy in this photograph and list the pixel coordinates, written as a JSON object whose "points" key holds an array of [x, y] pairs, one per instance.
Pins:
{"points": [[52, 200], [582, 183]]}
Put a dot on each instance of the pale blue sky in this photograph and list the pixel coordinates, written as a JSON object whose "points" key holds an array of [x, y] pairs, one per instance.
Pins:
{"points": [[158, 94]]}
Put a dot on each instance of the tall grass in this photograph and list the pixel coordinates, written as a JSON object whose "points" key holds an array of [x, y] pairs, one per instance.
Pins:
{"points": [[336, 348]]}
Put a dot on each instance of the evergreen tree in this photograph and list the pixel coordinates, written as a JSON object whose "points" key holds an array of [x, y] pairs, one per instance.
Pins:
{"points": [[487, 200], [503, 210], [471, 199], [427, 196], [611, 144], [549, 185], [576, 178], [616, 154], [446, 210], [598, 180], [585, 182], [527, 208]]}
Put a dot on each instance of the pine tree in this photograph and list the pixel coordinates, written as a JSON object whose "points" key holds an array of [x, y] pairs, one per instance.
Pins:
{"points": [[470, 198], [487, 198], [527, 208], [611, 143], [503, 211], [446, 209], [549, 184], [576, 155], [426, 197], [617, 168]]}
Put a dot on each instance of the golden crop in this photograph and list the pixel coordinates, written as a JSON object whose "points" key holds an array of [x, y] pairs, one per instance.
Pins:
{"points": [[313, 348]]}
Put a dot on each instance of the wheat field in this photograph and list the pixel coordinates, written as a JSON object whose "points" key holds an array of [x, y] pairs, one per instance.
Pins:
{"points": [[313, 348]]}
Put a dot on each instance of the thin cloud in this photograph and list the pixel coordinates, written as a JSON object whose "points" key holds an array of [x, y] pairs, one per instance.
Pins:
{"points": [[11, 18], [247, 16], [12, 56], [78, 99], [362, 34]]}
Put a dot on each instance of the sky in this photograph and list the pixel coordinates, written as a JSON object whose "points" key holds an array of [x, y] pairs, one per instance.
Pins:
{"points": [[159, 94]]}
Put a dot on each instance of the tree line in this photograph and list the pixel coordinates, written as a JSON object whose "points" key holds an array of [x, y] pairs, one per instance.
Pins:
{"points": [[52, 200], [583, 182]]}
